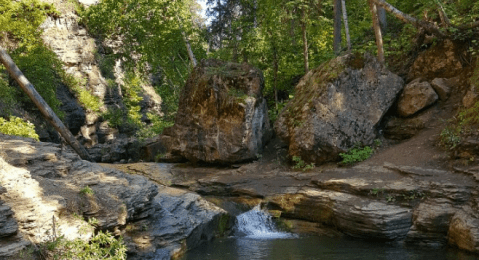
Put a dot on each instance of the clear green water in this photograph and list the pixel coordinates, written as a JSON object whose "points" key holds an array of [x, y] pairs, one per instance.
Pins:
{"points": [[317, 247]]}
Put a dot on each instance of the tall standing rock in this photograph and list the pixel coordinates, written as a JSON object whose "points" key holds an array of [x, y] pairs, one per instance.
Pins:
{"points": [[222, 115], [336, 106]]}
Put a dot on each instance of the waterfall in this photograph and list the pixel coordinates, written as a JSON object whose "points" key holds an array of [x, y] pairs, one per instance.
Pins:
{"points": [[257, 223]]}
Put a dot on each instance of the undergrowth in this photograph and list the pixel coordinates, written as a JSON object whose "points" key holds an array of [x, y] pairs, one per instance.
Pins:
{"points": [[359, 153], [16, 126]]}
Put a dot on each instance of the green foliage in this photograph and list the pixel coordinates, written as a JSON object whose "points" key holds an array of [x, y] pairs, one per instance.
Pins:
{"points": [[356, 154], [376, 191], [87, 191], [16, 126], [158, 124], [302, 165], [450, 137], [237, 94], [100, 246], [115, 117], [8, 94], [273, 112], [21, 20]]}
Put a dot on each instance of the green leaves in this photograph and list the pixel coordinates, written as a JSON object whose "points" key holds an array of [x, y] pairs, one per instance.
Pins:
{"points": [[16, 126]]}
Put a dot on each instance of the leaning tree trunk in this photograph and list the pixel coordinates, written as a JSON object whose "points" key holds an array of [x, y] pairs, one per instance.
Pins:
{"points": [[44, 108], [346, 25], [305, 41], [377, 31], [430, 27], [337, 27]]}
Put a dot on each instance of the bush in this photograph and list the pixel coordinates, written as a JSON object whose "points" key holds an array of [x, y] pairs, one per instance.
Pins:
{"points": [[100, 246], [16, 126], [300, 164], [358, 153]]}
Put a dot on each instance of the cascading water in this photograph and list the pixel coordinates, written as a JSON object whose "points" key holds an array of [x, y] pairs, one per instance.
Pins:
{"points": [[258, 224]]}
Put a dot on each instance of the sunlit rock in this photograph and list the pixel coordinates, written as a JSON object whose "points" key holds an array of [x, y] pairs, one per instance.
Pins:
{"points": [[336, 106], [222, 115]]}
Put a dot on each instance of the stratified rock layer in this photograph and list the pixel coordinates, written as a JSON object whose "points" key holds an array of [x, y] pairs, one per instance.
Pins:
{"points": [[46, 189], [336, 106], [222, 116]]}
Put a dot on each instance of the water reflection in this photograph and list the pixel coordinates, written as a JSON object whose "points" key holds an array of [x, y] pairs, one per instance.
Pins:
{"points": [[313, 247]]}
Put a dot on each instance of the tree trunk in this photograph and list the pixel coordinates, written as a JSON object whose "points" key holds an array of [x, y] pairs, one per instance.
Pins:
{"points": [[275, 76], [337, 27], [191, 55], [429, 27], [44, 108], [382, 19], [377, 30], [305, 41], [346, 25]]}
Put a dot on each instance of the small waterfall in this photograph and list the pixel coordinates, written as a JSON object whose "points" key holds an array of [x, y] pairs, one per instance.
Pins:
{"points": [[257, 223]]}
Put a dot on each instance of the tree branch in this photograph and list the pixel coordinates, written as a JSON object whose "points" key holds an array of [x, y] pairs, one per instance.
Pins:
{"points": [[429, 27]]}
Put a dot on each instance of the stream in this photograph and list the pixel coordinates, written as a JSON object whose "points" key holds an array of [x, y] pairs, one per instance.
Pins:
{"points": [[256, 238]]}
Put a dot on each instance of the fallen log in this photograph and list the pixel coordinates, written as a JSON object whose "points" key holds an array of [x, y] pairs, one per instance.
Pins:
{"points": [[44, 108]]}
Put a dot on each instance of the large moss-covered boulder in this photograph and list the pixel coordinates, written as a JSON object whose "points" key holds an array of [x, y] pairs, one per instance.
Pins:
{"points": [[337, 106], [222, 115]]}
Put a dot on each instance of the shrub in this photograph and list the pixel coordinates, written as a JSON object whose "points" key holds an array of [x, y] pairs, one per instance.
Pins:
{"points": [[300, 164], [100, 246], [16, 126], [356, 154]]}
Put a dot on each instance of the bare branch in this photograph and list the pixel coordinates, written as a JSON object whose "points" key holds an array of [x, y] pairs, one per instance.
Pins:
{"points": [[429, 27]]}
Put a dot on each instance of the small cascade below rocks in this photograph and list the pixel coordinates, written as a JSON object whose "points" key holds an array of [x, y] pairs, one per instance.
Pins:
{"points": [[258, 224]]}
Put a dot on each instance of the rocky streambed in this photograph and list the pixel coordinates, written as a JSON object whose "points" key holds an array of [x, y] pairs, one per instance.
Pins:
{"points": [[163, 209], [388, 202]]}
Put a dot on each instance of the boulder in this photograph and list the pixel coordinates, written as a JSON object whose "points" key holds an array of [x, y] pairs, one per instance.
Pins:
{"points": [[415, 97], [336, 106], [464, 230], [442, 88], [222, 115]]}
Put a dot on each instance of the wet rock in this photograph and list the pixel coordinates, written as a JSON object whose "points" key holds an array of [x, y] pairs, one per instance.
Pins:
{"points": [[431, 221], [180, 217], [442, 88], [222, 115], [336, 106], [415, 97]]}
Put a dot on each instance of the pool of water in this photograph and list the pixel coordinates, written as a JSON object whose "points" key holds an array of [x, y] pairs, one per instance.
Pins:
{"points": [[256, 238], [316, 247]]}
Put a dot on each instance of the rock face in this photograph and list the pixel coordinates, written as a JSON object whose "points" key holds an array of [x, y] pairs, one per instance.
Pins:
{"points": [[440, 61], [415, 97], [222, 115], [336, 106], [45, 181], [401, 203], [93, 63], [182, 218]]}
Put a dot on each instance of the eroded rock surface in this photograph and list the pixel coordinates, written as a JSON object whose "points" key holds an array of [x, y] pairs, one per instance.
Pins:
{"points": [[336, 106], [183, 219], [222, 115], [45, 185], [417, 205]]}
